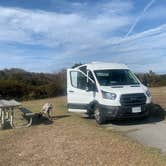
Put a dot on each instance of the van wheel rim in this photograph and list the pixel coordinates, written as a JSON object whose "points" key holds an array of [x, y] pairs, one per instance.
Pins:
{"points": [[97, 114]]}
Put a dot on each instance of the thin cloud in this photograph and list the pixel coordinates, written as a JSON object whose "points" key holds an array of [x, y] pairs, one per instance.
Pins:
{"points": [[59, 39], [156, 13], [55, 29], [140, 16]]}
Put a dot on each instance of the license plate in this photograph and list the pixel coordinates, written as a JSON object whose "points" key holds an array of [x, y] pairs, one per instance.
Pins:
{"points": [[136, 109]]}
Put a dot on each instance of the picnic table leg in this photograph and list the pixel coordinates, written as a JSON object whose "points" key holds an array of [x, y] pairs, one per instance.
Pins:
{"points": [[30, 122], [7, 114], [2, 118], [11, 117], [0, 112]]}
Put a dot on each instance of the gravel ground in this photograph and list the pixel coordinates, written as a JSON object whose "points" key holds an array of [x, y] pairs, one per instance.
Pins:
{"points": [[71, 140]]}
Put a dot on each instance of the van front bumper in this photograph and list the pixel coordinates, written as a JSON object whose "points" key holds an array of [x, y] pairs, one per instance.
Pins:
{"points": [[114, 112]]}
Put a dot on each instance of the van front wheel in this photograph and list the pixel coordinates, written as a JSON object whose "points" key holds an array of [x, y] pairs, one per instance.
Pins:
{"points": [[99, 116]]}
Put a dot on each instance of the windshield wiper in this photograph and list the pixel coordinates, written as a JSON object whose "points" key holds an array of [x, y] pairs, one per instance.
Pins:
{"points": [[136, 85]]}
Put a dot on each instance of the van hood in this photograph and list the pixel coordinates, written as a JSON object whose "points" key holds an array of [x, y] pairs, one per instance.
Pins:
{"points": [[124, 89]]}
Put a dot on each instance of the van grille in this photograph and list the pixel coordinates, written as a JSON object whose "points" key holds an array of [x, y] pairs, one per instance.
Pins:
{"points": [[136, 99]]}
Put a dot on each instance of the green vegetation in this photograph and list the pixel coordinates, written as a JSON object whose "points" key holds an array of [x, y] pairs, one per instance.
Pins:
{"points": [[153, 79], [23, 85]]}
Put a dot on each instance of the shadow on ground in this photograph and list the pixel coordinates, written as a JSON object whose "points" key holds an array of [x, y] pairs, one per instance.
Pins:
{"points": [[38, 120], [157, 114]]}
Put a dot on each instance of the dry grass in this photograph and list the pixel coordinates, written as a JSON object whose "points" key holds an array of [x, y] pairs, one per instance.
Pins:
{"points": [[71, 140], [159, 96]]}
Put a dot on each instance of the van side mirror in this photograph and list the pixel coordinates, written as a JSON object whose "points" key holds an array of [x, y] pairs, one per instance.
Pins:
{"points": [[145, 83]]}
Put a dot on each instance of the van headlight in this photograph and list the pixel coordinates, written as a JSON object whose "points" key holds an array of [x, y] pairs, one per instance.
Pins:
{"points": [[108, 95], [148, 93]]}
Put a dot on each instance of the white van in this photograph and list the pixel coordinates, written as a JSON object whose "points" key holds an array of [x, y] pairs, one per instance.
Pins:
{"points": [[106, 91]]}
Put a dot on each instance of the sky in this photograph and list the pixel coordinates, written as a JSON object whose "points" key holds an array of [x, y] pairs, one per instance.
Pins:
{"points": [[49, 35]]}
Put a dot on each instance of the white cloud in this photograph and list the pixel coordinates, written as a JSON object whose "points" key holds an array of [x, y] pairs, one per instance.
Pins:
{"points": [[143, 51], [54, 29], [69, 34], [79, 37]]}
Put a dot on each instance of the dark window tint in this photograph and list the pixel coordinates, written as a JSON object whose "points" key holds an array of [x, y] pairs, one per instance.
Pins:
{"points": [[115, 77], [91, 76], [78, 80], [83, 69]]}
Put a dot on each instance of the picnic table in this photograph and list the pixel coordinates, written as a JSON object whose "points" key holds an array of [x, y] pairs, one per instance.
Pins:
{"points": [[7, 108]]}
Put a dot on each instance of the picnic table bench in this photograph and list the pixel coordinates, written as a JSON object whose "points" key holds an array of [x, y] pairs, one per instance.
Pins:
{"points": [[27, 114]]}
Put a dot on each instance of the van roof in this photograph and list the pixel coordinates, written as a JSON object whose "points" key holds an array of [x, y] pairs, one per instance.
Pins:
{"points": [[104, 66]]}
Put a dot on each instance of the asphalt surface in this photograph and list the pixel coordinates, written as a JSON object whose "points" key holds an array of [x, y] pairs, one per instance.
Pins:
{"points": [[150, 131]]}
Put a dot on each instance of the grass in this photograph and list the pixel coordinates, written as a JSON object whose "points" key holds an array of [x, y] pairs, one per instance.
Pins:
{"points": [[159, 96], [73, 140]]}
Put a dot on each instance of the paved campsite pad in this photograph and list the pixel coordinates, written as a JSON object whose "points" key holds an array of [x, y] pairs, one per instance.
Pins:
{"points": [[151, 132]]}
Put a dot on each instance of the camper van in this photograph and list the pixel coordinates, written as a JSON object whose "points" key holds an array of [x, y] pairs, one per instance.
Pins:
{"points": [[106, 91]]}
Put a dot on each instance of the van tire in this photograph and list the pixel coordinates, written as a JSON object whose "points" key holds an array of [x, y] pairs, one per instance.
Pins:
{"points": [[99, 116]]}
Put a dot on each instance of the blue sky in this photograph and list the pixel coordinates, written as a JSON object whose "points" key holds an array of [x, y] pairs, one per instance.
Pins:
{"points": [[48, 35]]}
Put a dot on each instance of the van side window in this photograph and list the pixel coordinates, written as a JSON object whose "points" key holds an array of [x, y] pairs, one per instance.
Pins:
{"points": [[78, 80], [91, 75], [93, 85], [83, 69]]}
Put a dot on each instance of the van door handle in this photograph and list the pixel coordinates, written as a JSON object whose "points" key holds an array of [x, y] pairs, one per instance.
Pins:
{"points": [[71, 91]]}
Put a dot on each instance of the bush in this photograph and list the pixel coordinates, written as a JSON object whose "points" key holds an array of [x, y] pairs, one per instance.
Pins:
{"points": [[22, 85]]}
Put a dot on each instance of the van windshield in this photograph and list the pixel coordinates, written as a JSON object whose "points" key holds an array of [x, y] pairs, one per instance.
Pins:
{"points": [[116, 77]]}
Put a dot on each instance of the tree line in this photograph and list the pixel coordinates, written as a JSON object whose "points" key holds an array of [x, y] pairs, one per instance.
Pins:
{"points": [[152, 79], [22, 85]]}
